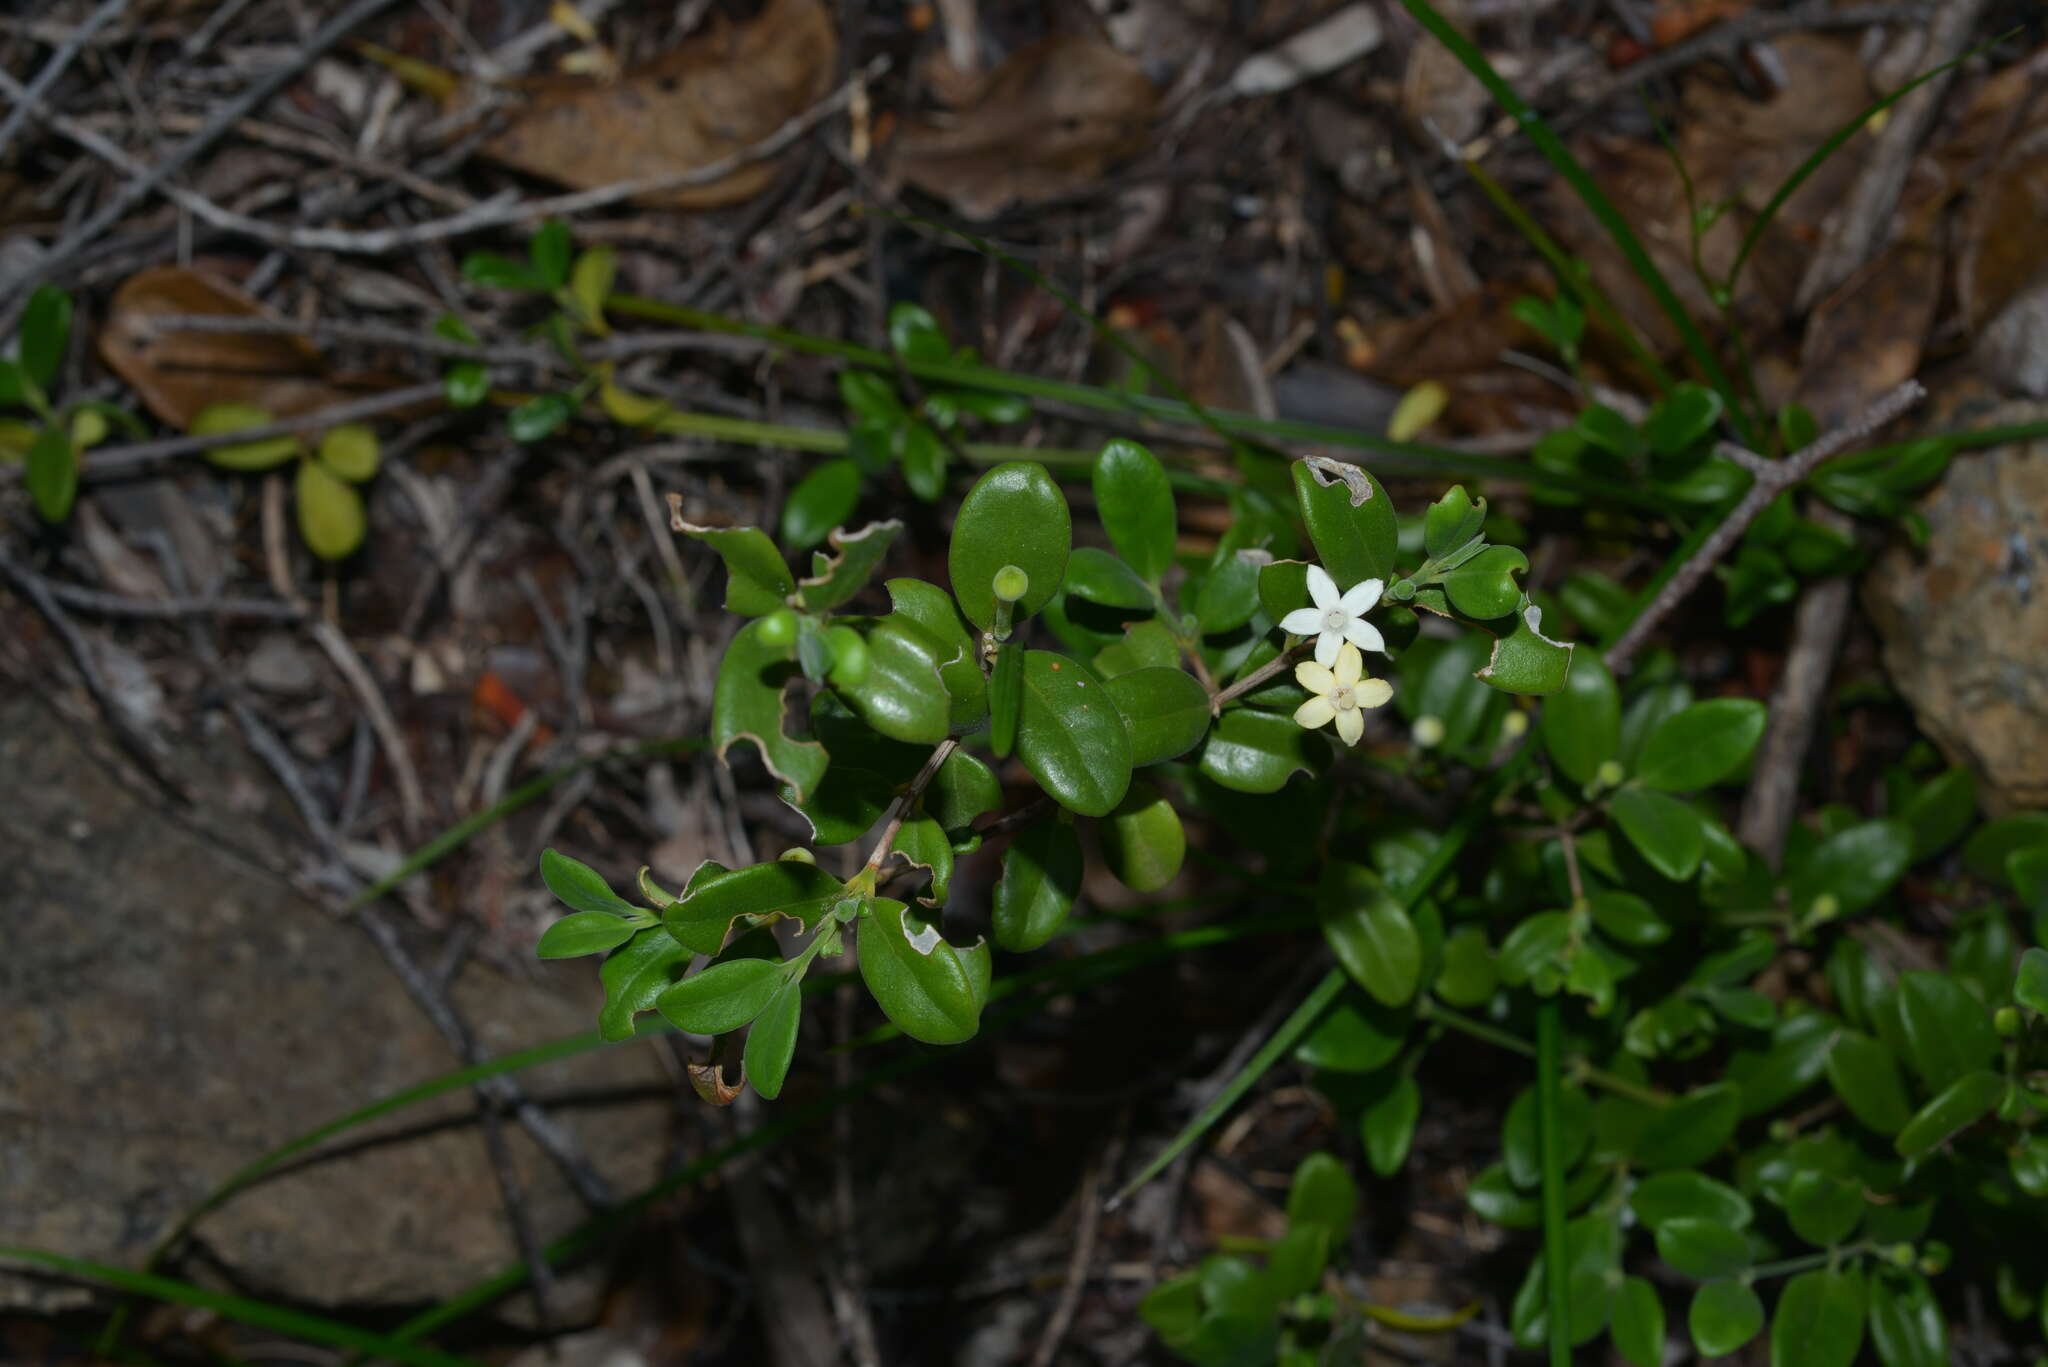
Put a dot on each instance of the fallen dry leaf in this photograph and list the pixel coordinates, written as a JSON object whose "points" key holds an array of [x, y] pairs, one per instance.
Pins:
{"points": [[2004, 250], [1049, 121], [179, 373], [708, 99], [1867, 336]]}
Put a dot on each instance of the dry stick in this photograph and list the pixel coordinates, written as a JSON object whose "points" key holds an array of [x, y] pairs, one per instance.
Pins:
{"points": [[908, 799], [122, 460], [32, 97], [1084, 1250], [1254, 679], [1779, 477], [411, 796], [224, 118], [1856, 231], [1817, 630], [120, 605]]}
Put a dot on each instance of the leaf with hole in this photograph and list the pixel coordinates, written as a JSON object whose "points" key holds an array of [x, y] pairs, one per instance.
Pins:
{"points": [[839, 575], [789, 887], [1351, 521], [1525, 661], [758, 582], [931, 989], [746, 704]]}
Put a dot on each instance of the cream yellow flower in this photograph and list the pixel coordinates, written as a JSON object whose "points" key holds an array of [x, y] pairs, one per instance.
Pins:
{"points": [[1341, 694]]}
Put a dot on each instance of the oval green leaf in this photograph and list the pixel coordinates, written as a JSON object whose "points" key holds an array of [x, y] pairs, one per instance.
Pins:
{"points": [[1387, 1127], [1135, 503], [771, 1043], [1865, 1075], [1960, 1105], [1702, 1249], [1906, 1324], [1663, 829], [1723, 1317], [1143, 840], [722, 997], [1357, 540], [331, 517], [1819, 1320], [902, 695], [1688, 1195], [1251, 751], [1165, 710], [1071, 736], [757, 579], [1856, 866], [709, 905], [1702, 744], [584, 932], [1014, 515], [1099, 577], [1638, 1323], [1691, 1129], [1373, 935], [1041, 878], [821, 501], [1582, 721], [932, 990]]}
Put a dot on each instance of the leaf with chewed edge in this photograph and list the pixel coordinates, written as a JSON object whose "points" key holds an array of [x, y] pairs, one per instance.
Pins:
{"points": [[746, 704], [838, 577]]}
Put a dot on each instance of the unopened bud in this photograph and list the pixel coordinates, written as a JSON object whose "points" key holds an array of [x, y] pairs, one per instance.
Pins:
{"points": [[1514, 725], [1011, 583], [797, 854], [1428, 731], [2006, 1021], [1826, 907], [1610, 774], [1901, 1255]]}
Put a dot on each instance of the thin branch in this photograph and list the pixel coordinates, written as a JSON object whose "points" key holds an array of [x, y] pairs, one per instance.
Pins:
{"points": [[1780, 476], [119, 605], [32, 97], [908, 799], [1252, 680], [123, 460]]}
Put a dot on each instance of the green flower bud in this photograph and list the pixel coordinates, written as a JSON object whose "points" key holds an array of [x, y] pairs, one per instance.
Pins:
{"points": [[1901, 1255], [1011, 583], [1514, 725], [849, 657], [1826, 907], [778, 628], [2006, 1021], [1428, 731], [1610, 774], [797, 854]]}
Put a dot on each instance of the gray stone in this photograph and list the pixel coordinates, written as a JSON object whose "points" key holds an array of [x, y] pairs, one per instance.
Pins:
{"points": [[171, 1012], [1965, 619]]}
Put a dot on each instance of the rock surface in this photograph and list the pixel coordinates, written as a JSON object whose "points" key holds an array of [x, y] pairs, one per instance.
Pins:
{"points": [[171, 1012], [1965, 618]]}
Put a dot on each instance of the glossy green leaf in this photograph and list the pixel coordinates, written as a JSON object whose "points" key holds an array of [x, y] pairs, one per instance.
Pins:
{"points": [[467, 384], [1687, 1195], [837, 577], [821, 501], [550, 250], [922, 843], [1142, 840], [1535, 947], [708, 907], [1250, 751], [1014, 515], [771, 1042], [1856, 866], [1906, 1324], [963, 789], [1947, 1032], [1701, 745], [1165, 710], [44, 332], [722, 997], [1323, 1194], [52, 474], [1628, 918], [1520, 1135], [1469, 975], [1041, 878], [1295, 1266], [1792, 1061], [635, 975], [1230, 593], [1527, 662], [931, 989], [1723, 1317], [1958, 1106], [1145, 645], [584, 932], [1357, 1035], [1824, 1209], [1283, 587], [1135, 503], [1865, 1075], [1691, 1129], [330, 511], [757, 582], [350, 451], [580, 887], [1638, 1323], [1100, 577], [1451, 522], [923, 457], [1702, 1249], [1357, 540], [746, 704], [500, 272], [1990, 845], [539, 417], [1681, 418], [1582, 721], [1819, 1320], [928, 606], [1372, 933], [902, 695], [1485, 586], [1387, 1127], [1071, 736], [1663, 829], [2030, 985]]}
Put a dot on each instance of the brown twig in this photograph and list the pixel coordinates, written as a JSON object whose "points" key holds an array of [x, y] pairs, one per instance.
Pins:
{"points": [[125, 460], [1090, 1219], [31, 98], [1780, 476], [907, 799], [1252, 680]]}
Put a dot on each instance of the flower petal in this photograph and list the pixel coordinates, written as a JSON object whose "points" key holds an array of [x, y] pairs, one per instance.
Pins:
{"points": [[1363, 596], [1350, 664], [1316, 712], [1350, 726], [1327, 646], [1372, 692], [1302, 622], [1314, 677], [1365, 636], [1322, 588]]}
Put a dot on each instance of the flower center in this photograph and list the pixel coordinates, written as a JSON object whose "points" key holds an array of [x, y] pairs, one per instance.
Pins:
{"points": [[1342, 699], [1335, 619]]}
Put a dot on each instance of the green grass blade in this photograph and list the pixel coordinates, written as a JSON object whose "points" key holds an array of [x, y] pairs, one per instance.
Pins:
{"points": [[242, 1309], [1827, 149], [1550, 1150], [1602, 208]]}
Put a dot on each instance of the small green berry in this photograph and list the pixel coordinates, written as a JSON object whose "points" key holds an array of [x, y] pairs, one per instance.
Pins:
{"points": [[1901, 1255], [849, 657], [1011, 583], [1610, 774], [2006, 1021], [778, 628], [1826, 907]]}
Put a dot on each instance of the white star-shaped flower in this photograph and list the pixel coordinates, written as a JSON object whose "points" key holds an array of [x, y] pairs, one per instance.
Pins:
{"points": [[1337, 618], [1341, 694]]}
